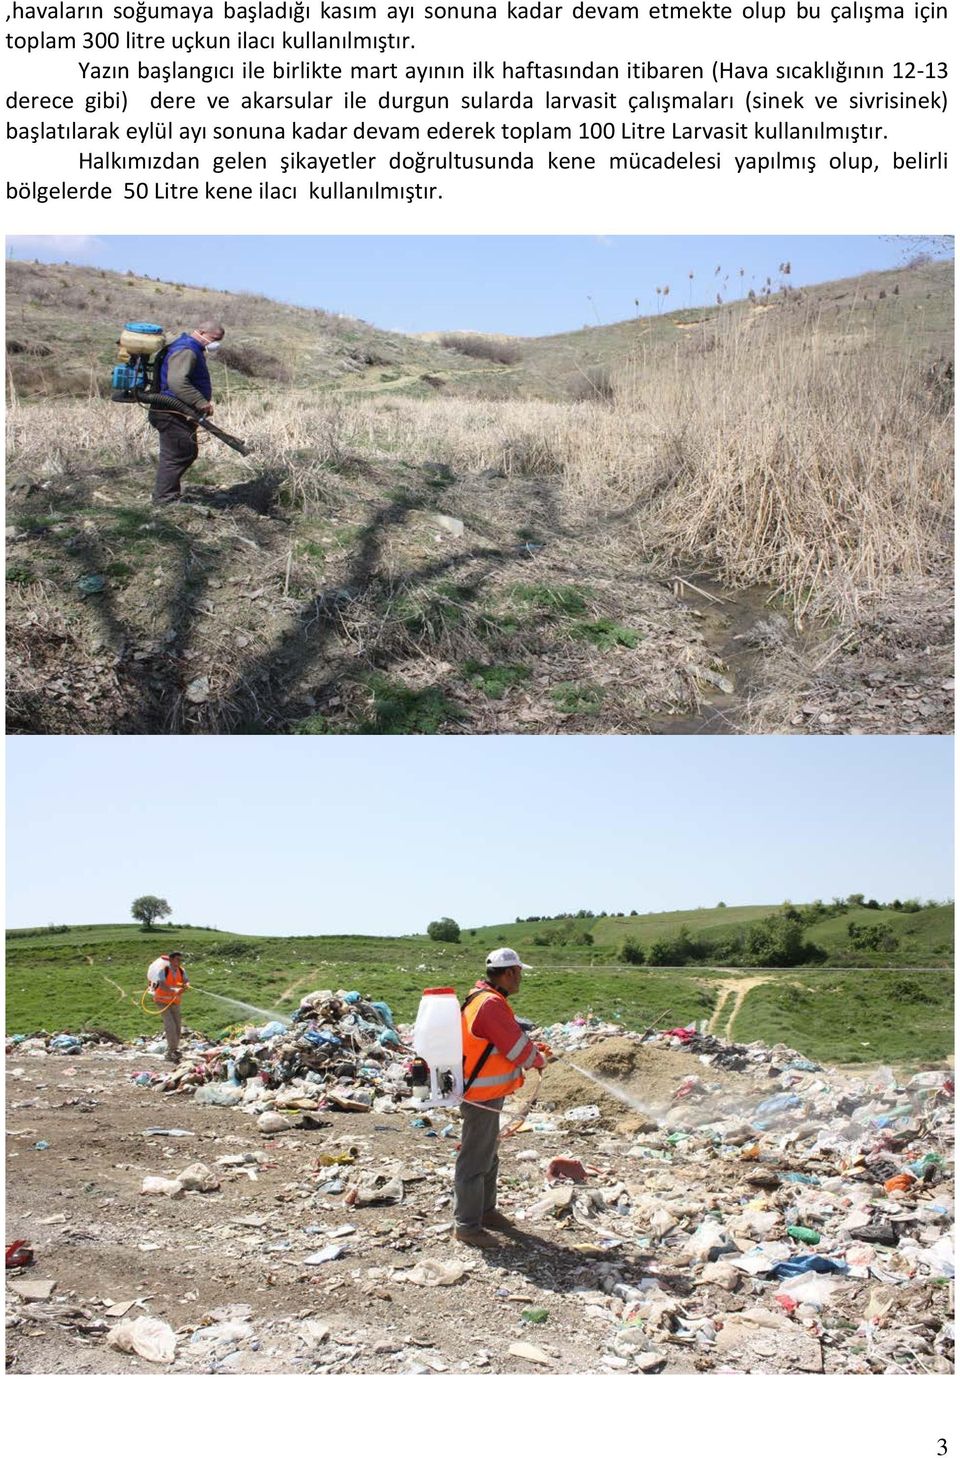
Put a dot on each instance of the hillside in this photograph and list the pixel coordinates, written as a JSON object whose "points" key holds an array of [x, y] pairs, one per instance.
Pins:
{"points": [[711, 521], [62, 322], [94, 976]]}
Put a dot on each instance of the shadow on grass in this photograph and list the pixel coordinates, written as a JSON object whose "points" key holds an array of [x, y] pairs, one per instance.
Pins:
{"points": [[261, 494], [268, 690]]}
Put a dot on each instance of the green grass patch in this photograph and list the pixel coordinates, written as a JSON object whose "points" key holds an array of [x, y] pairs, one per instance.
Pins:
{"points": [[120, 572], [853, 1017], [494, 679], [603, 633], [314, 724], [557, 602], [400, 710], [576, 698]]}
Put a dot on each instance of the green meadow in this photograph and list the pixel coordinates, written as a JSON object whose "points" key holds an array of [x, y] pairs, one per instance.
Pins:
{"points": [[94, 976]]}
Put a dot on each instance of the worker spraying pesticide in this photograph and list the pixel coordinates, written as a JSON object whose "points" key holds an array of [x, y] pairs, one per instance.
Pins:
{"points": [[173, 381], [497, 1053], [166, 983]]}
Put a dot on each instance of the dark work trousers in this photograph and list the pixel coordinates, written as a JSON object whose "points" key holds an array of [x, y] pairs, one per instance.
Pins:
{"points": [[475, 1175], [178, 451]]}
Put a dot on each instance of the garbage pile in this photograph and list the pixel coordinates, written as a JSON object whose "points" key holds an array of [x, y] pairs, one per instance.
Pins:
{"points": [[805, 1228], [40, 1044], [340, 1051], [680, 1204]]}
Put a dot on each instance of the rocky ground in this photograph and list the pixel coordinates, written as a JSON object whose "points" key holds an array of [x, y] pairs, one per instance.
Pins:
{"points": [[268, 1263]]}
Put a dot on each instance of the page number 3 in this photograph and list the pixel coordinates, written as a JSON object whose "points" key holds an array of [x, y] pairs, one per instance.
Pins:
{"points": [[941, 1447]]}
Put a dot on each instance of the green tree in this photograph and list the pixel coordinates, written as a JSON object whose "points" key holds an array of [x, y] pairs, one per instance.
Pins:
{"points": [[444, 930], [778, 942], [148, 909], [633, 953], [658, 954]]}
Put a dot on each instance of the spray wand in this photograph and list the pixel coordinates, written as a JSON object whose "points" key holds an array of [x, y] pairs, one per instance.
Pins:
{"points": [[180, 407]]}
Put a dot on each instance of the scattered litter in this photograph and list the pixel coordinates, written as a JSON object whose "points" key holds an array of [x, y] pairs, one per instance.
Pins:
{"points": [[584, 1114], [35, 1290], [436, 1273], [147, 1336], [159, 1185], [198, 1177], [530, 1353], [321, 1257], [777, 1217]]}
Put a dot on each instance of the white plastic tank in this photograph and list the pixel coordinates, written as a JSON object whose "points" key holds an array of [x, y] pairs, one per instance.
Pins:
{"points": [[438, 1040]]}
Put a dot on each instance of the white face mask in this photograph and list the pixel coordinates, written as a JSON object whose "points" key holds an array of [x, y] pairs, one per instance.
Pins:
{"points": [[213, 346]]}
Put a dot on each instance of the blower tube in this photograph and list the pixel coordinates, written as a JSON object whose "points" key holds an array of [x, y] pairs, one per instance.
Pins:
{"points": [[169, 402]]}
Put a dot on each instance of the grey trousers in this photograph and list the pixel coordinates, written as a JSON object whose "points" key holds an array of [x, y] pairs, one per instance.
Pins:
{"points": [[475, 1176], [171, 1026]]}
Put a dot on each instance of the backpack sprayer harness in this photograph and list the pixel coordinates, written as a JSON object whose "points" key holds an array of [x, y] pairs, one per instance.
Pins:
{"points": [[136, 380]]}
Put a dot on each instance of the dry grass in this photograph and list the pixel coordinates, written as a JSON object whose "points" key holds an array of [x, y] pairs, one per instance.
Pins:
{"points": [[785, 461], [783, 456]]}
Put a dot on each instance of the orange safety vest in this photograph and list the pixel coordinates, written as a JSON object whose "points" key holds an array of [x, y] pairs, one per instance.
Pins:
{"points": [[495, 1076], [169, 992]]}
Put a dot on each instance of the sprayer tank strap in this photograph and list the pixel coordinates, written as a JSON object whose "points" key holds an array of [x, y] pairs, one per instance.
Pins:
{"points": [[468, 1082]]}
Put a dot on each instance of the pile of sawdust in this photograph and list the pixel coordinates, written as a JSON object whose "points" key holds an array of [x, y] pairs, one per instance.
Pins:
{"points": [[647, 1073]]}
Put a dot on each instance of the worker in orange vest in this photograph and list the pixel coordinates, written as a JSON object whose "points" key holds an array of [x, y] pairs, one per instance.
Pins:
{"points": [[168, 981], [496, 1054]]}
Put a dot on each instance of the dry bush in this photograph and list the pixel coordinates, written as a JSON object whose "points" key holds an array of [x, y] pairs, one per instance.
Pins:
{"points": [[594, 383], [253, 362], [481, 346], [824, 473]]}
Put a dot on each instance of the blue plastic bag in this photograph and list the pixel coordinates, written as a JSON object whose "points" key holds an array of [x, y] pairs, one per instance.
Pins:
{"points": [[385, 1013], [797, 1265], [319, 1039], [778, 1103]]}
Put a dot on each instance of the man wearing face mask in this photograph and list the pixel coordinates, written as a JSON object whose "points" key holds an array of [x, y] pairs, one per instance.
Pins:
{"points": [[184, 375]]}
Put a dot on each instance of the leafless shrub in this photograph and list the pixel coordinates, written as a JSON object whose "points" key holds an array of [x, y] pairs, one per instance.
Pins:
{"points": [[593, 383], [482, 346], [254, 362]]}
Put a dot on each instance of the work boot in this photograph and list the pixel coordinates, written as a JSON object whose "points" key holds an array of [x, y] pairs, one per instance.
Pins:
{"points": [[495, 1220], [478, 1238]]}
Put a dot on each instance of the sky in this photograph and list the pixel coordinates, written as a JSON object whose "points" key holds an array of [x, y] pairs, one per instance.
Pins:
{"points": [[510, 285], [382, 835]]}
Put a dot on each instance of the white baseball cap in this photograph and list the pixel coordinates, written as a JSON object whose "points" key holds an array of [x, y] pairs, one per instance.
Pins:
{"points": [[506, 957]]}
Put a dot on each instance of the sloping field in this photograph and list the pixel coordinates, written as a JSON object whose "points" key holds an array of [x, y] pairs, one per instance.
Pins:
{"points": [[741, 523]]}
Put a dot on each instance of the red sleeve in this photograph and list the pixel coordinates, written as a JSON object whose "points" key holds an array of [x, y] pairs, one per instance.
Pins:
{"points": [[497, 1024]]}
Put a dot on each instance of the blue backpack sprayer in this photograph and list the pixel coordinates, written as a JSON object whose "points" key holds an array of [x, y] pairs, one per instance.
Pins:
{"points": [[136, 379]]}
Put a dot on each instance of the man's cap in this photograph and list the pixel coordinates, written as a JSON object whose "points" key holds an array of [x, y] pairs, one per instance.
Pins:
{"points": [[176, 954], [505, 957]]}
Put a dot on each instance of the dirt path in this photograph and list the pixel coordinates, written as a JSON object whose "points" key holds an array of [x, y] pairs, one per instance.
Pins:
{"points": [[110, 980], [737, 988], [310, 981]]}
